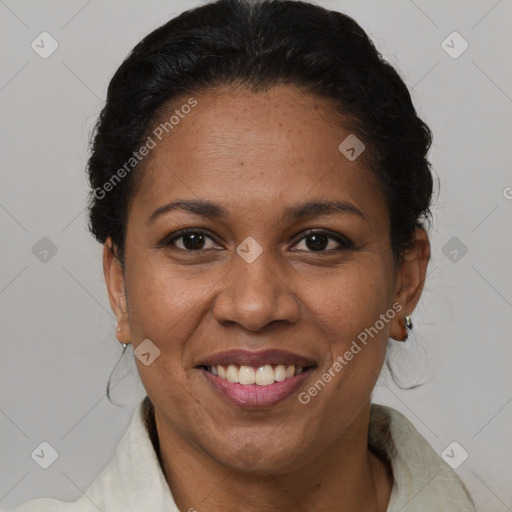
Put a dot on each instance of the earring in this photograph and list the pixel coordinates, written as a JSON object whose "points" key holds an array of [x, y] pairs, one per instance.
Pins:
{"points": [[407, 326], [119, 329]]}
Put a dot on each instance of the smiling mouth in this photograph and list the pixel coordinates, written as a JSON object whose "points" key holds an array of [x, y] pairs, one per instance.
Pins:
{"points": [[253, 380], [263, 375]]}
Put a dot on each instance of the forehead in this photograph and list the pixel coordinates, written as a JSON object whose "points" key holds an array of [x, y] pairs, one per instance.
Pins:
{"points": [[239, 147]]}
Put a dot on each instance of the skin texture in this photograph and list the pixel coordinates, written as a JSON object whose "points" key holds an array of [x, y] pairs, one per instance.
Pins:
{"points": [[255, 155]]}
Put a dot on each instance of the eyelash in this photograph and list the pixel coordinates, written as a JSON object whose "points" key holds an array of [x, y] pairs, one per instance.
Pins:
{"points": [[344, 242]]}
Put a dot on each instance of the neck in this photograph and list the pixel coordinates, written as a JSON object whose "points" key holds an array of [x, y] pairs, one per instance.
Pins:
{"points": [[346, 474]]}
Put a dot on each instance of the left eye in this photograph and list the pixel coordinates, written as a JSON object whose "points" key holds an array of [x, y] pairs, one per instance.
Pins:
{"points": [[321, 241]]}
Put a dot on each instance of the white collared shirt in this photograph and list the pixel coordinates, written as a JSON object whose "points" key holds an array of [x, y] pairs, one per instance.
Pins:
{"points": [[133, 480]]}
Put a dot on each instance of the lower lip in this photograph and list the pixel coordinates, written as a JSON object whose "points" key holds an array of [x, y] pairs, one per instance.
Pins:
{"points": [[253, 396]]}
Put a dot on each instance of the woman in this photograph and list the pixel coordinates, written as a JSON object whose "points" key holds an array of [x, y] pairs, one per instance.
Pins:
{"points": [[259, 181]]}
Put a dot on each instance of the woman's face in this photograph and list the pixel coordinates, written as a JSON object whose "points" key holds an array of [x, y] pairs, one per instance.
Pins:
{"points": [[250, 286]]}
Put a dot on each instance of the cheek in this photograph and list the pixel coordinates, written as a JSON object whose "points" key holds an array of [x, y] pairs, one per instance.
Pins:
{"points": [[162, 302], [345, 308], [347, 302], [164, 308], [347, 316]]}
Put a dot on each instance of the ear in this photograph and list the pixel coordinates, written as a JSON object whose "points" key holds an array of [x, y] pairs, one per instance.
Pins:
{"points": [[114, 279], [410, 280]]}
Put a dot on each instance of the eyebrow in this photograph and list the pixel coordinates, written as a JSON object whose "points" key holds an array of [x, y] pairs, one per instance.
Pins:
{"points": [[297, 212]]}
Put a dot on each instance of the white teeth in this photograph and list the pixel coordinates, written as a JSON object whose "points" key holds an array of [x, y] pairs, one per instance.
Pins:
{"points": [[280, 372], [265, 375], [232, 373], [290, 371], [262, 376], [246, 375]]}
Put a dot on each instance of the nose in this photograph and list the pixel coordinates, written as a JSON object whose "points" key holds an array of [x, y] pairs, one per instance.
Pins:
{"points": [[256, 294]]}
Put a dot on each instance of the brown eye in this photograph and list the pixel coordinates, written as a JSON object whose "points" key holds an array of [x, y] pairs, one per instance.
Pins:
{"points": [[193, 241], [190, 240], [321, 241], [317, 242]]}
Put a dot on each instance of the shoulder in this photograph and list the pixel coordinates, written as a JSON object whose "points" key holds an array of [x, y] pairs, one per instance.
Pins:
{"points": [[423, 481], [132, 480], [52, 505]]}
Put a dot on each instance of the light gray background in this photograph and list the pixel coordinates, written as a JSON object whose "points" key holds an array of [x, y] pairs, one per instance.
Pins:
{"points": [[58, 343]]}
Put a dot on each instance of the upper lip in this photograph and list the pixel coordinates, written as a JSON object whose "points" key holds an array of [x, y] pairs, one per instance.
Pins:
{"points": [[261, 357]]}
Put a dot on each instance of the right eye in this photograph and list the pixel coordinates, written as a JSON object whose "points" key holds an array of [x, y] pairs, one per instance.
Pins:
{"points": [[189, 239]]}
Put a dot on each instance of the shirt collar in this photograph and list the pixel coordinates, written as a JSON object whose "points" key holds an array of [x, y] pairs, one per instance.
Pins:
{"points": [[422, 480]]}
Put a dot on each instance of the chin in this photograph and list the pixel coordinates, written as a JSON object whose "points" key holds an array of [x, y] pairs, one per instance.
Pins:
{"points": [[253, 457]]}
